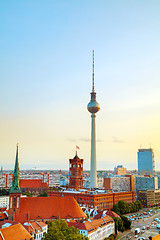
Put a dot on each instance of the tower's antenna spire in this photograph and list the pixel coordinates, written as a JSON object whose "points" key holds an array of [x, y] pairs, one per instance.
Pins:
{"points": [[93, 74]]}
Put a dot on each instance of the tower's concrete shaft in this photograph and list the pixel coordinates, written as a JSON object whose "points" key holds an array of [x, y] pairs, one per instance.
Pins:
{"points": [[93, 108], [93, 164]]}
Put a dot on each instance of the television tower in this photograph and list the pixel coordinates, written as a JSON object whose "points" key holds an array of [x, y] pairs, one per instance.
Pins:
{"points": [[93, 107]]}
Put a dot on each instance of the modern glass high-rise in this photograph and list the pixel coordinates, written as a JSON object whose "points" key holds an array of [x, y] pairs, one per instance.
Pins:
{"points": [[146, 164]]}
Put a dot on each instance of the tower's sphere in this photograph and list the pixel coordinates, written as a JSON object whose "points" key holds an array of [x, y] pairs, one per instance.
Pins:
{"points": [[93, 107]]}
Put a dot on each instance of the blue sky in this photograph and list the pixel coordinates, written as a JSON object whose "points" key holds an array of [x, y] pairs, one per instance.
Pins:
{"points": [[46, 70]]}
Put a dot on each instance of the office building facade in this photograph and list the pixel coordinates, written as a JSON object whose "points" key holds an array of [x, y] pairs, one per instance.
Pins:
{"points": [[120, 170], [119, 183], [146, 163], [146, 183]]}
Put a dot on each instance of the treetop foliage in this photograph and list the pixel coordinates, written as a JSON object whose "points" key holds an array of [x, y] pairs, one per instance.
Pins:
{"points": [[43, 194], [4, 192], [28, 194], [59, 230], [123, 207], [111, 237]]}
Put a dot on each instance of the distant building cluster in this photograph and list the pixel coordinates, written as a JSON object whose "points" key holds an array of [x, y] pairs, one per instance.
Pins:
{"points": [[120, 170]]}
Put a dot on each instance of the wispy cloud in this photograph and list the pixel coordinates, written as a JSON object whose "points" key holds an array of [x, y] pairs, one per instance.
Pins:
{"points": [[72, 140], [116, 140], [83, 139]]}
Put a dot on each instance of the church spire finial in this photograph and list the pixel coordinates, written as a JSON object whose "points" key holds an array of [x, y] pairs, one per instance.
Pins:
{"points": [[15, 188]]}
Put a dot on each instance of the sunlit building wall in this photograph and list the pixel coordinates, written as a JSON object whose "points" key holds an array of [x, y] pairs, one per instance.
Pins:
{"points": [[120, 170]]}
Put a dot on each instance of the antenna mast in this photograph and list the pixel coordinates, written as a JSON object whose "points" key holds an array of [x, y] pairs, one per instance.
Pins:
{"points": [[93, 74]]}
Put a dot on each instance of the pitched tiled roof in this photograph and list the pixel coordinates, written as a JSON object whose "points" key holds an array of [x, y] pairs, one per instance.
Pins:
{"points": [[99, 215], [29, 229], [32, 183], [107, 213], [112, 214], [3, 209], [42, 223], [34, 226], [91, 225], [15, 232], [7, 222], [49, 208], [22, 217], [3, 215]]}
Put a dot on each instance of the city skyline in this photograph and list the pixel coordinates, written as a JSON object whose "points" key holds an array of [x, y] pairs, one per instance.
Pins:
{"points": [[46, 74]]}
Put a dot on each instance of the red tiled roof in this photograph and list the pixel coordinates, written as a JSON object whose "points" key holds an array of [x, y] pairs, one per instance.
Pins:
{"points": [[112, 214], [107, 213], [29, 229], [33, 183], [3, 209], [91, 225], [22, 217], [34, 226], [3, 216], [49, 208], [7, 221], [42, 223], [99, 215], [15, 232]]}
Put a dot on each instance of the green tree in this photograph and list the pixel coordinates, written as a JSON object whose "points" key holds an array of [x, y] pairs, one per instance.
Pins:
{"points": [[116, 225], [122, 207], [59, 230], [4, 192], [126, 222], [119, 225], [132, 207], [111, 237], [116, 208], [139, 204], [87, 215], [136, 206], [28, 194], [43, 194]]}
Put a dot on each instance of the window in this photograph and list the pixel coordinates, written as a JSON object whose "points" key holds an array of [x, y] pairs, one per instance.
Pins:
{"points": [[11, 203], [14, 202], [18, 202]]}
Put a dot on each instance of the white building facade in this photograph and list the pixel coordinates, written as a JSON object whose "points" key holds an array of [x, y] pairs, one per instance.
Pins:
{"points": [[96, 229]]}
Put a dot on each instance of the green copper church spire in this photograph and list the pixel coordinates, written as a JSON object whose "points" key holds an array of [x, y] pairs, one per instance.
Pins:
{"points": [[15, 184]]}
